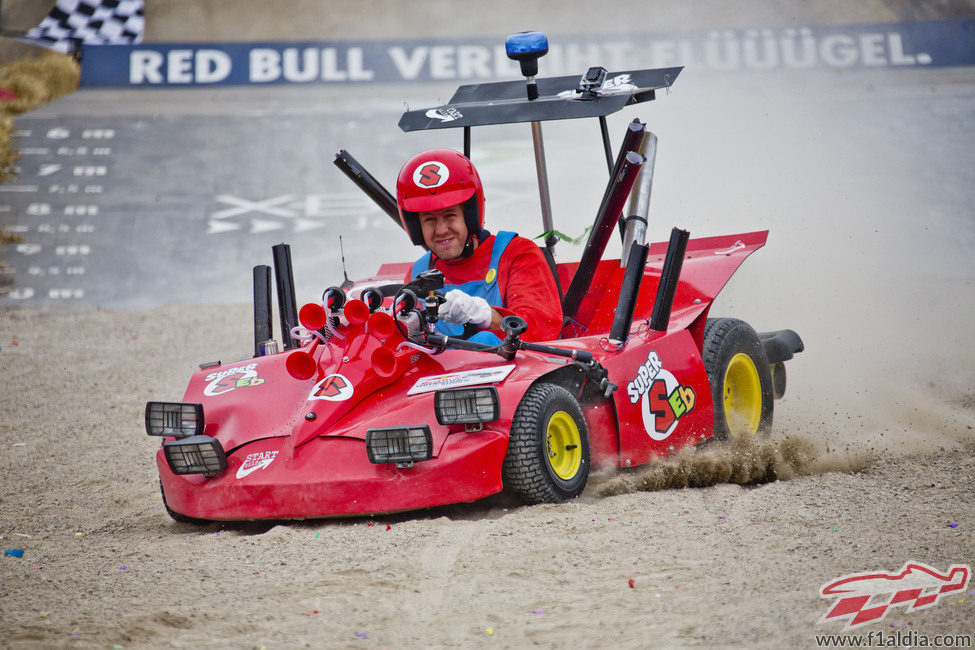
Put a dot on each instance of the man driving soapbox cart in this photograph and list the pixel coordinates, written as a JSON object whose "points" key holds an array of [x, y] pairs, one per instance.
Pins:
{"points": [[372, 406]]}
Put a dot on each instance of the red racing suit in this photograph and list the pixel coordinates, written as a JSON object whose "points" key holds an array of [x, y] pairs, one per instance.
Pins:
{"points": [[524, 278]]}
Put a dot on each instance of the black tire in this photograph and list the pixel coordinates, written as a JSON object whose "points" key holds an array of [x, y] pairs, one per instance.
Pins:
{"points": [[183, 519], [531, 469], [724, 340]]}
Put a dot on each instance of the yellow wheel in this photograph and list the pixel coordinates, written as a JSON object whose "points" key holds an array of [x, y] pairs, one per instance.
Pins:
{"points": [[548, 447], [741, 379], [564, 445], [742, 396]]}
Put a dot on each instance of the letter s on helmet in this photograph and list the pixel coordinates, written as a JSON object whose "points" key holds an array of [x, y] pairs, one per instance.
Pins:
{"points": [[437, 179]]}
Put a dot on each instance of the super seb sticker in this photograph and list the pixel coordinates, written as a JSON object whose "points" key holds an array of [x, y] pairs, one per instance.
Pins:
{"points": [[664, 399]]}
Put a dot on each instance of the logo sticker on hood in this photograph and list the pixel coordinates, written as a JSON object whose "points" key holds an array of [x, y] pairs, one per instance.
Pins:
{"points": [[334, 388], [257, 460], [227, 380]]}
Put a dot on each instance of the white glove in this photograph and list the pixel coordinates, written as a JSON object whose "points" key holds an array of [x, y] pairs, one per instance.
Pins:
{"points": [[461, 309]]}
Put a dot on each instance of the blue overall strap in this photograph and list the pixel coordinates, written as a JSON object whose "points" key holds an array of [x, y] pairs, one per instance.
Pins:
{"points": [[501, 241], [420, 265], [487, 287]]}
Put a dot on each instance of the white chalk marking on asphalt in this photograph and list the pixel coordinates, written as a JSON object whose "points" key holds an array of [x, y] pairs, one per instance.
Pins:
{"points": [[260, 225], [267, 206], [221, 226], [302, 225]]}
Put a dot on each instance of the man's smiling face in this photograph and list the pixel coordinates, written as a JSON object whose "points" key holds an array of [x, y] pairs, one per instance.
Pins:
{"points": [[444, 231]]}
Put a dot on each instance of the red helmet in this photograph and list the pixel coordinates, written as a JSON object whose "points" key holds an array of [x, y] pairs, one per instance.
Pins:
{"points": [[437, 179]]}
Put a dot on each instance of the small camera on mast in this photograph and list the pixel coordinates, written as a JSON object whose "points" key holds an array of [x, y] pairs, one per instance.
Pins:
{"points": [[591, 81]]}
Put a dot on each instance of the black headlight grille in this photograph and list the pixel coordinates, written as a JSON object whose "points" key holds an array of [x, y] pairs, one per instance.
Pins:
{"points": [[399, 444], [467, 405], [195, 455], [176, 419]]}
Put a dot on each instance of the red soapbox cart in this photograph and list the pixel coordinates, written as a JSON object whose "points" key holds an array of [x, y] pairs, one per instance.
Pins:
{"points": [[356, 416]]}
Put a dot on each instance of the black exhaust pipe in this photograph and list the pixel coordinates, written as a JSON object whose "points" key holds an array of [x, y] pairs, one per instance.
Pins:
{"points": [[287, 307], [263, 322], [609, 213], [673, 261], [636, 261], [368, 184], [632, 139]]}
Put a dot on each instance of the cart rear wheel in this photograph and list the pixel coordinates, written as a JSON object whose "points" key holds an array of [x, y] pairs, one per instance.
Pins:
{"points": [[741, 380], [548, 450]]}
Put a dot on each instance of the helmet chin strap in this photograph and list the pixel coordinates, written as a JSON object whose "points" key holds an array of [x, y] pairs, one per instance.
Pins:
{"points": [[473, 242]]}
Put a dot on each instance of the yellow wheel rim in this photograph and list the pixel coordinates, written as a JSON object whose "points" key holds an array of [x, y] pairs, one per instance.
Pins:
{"points": [[564, 445], [742, 396]]}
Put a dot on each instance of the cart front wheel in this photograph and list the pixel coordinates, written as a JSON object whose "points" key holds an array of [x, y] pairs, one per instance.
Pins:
{"points": [[548, 451]]}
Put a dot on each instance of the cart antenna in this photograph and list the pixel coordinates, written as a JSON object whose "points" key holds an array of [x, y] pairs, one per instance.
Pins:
{"points": [[345, 283]]}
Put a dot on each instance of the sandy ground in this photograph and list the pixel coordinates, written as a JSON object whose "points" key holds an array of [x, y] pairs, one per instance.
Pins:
{"points": [[875, 482]]}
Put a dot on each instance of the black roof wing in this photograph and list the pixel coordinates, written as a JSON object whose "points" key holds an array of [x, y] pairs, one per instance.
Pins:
{"points": [[506, 102]]}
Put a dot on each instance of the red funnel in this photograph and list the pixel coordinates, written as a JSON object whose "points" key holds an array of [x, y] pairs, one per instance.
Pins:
{"points": [[301, 365], [356, 312], [386, 363], [381, 325], [312, 317]]}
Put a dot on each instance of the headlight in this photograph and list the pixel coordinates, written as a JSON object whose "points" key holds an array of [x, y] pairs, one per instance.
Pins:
{"points": [[177, 419], [195, 455], [401, 445], [466, 405]]}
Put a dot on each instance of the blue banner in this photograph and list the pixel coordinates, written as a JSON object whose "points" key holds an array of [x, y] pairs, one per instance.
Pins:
{"points": [[198, 65]]}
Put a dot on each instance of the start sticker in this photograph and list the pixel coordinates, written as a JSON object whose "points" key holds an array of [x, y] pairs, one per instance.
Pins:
{"points": [[257, 460], [664, 399]]}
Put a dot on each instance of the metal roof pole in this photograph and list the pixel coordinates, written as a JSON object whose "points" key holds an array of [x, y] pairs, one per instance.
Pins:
{"points": [[543, 193], [604, 130]]}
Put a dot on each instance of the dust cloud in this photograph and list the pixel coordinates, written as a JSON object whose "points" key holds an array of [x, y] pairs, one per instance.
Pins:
{"points": [[746, 462]]}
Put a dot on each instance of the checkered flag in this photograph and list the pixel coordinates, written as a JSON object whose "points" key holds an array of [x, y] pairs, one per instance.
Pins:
{"points": [[93, 22]]}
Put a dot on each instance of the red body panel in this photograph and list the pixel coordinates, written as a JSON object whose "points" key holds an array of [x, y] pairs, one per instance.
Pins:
{"points": [[240, 414], [708, 265], [332, 477], [296, 447], [664, 399]]}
